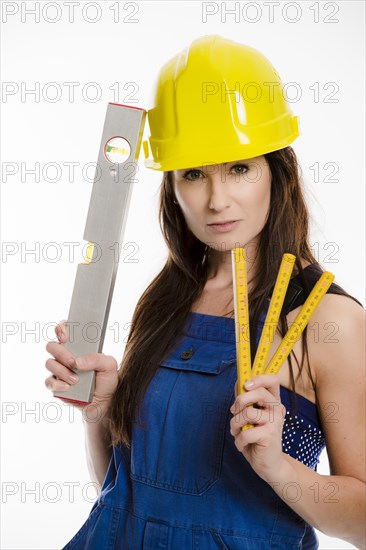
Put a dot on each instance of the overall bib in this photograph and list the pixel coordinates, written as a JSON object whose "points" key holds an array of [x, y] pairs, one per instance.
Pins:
{"points": [[184, 485]]}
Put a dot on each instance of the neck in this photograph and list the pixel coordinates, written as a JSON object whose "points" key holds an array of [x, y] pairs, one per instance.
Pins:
{"points": [[220, 267]]}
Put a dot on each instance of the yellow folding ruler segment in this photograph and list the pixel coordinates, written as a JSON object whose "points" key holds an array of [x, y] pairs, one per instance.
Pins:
{"points": [[302, 319], [242, 335], [273, 313]]}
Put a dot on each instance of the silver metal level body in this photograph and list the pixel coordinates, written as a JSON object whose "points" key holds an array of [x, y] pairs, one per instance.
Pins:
{"points": [[105, 224]]}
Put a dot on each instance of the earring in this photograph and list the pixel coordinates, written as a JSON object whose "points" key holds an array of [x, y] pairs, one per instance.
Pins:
{"points": [[175, 202]]}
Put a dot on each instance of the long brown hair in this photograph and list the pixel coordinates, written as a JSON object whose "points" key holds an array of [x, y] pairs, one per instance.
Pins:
{"points": [[162, 309]]}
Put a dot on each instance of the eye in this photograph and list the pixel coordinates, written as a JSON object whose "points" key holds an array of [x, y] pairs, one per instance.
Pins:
{"points": [[243, 168], [191, 175]]}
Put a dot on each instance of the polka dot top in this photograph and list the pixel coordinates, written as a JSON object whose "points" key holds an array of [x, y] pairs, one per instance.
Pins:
{"points": [[302, 435]]}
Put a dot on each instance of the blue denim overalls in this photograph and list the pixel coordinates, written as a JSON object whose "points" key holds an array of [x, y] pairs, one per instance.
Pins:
{"points": [[184, 485]]}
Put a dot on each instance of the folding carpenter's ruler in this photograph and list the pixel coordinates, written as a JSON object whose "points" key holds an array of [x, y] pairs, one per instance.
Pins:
{"points": [[105, 224], [241, 303]]}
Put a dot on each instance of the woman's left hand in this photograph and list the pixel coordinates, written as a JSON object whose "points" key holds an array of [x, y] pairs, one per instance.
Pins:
{"points": [[262, 444]]}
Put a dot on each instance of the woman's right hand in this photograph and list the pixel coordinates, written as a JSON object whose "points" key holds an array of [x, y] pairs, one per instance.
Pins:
{"points": [[105, 367]]}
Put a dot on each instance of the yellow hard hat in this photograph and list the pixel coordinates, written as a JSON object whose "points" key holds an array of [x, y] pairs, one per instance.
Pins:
{"points": [[216, 101]]}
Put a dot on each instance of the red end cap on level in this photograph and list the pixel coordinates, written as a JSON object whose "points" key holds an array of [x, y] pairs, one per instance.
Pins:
{"points": [[72, 400], [130, 106]]}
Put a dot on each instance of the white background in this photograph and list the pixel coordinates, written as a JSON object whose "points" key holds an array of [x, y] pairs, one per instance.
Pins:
{"points": [[43, 450]]}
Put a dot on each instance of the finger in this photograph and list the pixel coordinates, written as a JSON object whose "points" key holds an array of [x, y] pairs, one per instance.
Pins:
{"points": [[274, 413], [95, 361], [249, 415], [53, 384], [61, 372], [61, 331], [261, 397], [258, 434], [269, 381], [239, 420], [60, 353]]}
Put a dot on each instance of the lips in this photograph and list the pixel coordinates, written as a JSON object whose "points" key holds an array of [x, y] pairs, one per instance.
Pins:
{"points": [[223, 222], [224, 227]]}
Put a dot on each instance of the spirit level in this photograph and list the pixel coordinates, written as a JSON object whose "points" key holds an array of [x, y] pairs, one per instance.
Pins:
{"points": [[108, 208]]}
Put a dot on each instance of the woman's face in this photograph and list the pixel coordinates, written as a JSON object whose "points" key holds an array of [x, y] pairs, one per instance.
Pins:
{"points": [[237, 191]]}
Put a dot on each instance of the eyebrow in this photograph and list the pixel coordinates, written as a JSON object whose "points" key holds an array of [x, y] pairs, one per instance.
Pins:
{"points": [[198, 167]]}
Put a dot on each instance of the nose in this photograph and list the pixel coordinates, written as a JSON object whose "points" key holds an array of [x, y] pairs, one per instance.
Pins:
{"points": [[218, 190]]}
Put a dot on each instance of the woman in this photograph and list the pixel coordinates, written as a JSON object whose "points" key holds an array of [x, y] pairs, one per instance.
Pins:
{"points": [[181, 473]]}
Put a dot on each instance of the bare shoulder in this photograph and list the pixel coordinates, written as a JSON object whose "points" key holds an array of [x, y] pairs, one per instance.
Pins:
{"points": [[340, 381], [342, 308], [341, 327]]}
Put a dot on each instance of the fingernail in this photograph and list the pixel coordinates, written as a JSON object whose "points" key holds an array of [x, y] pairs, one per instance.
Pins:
{"points": [[65, 387], [249, 384], [71, 362], [73, 378]]}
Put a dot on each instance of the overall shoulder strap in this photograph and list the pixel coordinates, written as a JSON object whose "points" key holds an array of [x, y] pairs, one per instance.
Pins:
{"points": [[298, 290]]}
